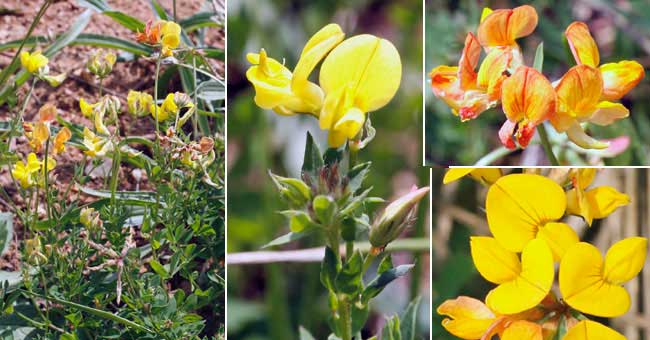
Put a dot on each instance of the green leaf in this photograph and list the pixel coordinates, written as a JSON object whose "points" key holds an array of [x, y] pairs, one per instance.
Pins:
{"points": [[211, 90], [159, 269], [348, 280], [126, 20], [70, 35], [160, 11], [197, 21], [130, 197], [329, 269], [349, 229], [385, 264], [561, 329], [324, 208], [313, 159], [98, 5], [391, 330], [539, 57], [357, 175], [67, 336], [288, 237], [410, 319], [333, 156], [359, 314], [298, 220], [304, 334], [382, 280], [6, 231], [105, 41]]}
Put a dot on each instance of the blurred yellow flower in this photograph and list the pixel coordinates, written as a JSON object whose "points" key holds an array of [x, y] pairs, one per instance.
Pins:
{"points": [[60, 139], [360, 75], [86, 108], [166, 110], [101, 64], [96, 146], [514, 224], [25, 172], [34, 63], [170, 37], [139, 103], [523, 330], [593, 286], [522, 283], [594, 203]]}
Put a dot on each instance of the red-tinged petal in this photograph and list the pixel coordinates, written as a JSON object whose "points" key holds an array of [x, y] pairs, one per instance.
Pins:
{"points": [[505, 134], [619, 78], [443, 78], [528, 95], [503, 26], [525, 133], [582, 44], [468, 62], [578, 94]]}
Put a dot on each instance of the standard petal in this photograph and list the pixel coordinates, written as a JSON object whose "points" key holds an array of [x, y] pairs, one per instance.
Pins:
{"points": [[624, 260], [503, 26], [453, 175], [370, 64], [530, 288], [523, 330], [578, 136], [578, 94], [559, 237], [619, 78], [582, 44], [591, 330], [527, 94], [605, 200], [493, 262], [583, 286], [518, 205], [608, 112], [469, 317]]}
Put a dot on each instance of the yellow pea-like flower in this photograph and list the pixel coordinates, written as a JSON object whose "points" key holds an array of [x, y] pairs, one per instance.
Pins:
{"points": [[594, 286], [486, 176], [167, 109], [96, 146], [24, 172], [594, 203], [139, 103], [591, 330], [522, 283], [502, 27], [360, 75], [170, 37], [86, 108], [467, 318], [34, 63], [523, 330], [60, 139], [515, 224], [287, 93]]}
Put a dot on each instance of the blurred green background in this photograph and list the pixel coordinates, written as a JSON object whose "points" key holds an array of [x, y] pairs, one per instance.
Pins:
{"points": [[271, 301], [621, 30]]}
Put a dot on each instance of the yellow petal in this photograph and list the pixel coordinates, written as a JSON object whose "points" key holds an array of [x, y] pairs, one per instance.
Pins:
{"points": [[469, 317], [619, 78], [559, 237], [60, 139], [591, 330], [41, 132], [351, 123], [583, 46], [528, 95], [369, 64], [608, 112], [486, 11], [583, 286], [86, 108], [518, 205], [578, 94], [491, 74], [578, 205], [523, 330], [455, 174], [503, 26], [624, 260], [270, 79], [483, 175], [33, 164], [578, 136], [314, 51], [493, 262], [530, 287], [584, 177], [605, 200]]}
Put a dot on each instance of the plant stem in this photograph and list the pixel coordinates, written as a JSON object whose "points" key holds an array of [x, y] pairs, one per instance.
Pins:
{"points": [[114, 175], [368, 261], [345, 318], [493, 156], [101, 87], [174, 6], [155, 95], [349, 249], [546, 144], [46, 179]]}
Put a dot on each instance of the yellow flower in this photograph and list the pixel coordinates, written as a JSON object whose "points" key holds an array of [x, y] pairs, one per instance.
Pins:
{"points": [[290, 93], [593, 286], [101, 64], [523, 330], [24, 172], [34, 63], [37, 134], [106, 106], [60, 139], [523, 207], [486, 176], [139, 103], [522, 283], [170, 37], [360, 75], [86, 108], [34, 251], [594, 203], [591, 330], [468, 318], [166, 110], [96, 146]]}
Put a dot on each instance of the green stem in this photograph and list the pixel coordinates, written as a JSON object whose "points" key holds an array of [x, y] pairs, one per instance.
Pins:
{"points": [[546, 144], [493, 156], [4, 75], [155, 95], [349, 248], [368, 261], [46, 179], [174, 6], [114, 175], [345, 318], [101, 87], [47, 306]]}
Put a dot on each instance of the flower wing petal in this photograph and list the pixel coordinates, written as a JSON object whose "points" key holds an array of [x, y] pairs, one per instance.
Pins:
{"points": [[624, 260], [619, 78], [582, 44], [591, 330]]}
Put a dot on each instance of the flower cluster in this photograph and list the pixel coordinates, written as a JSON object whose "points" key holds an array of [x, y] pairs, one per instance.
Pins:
{"points": [[32, 171], [524, 214], [166, 34], [37, 64], [358, 75], [585, 94]]}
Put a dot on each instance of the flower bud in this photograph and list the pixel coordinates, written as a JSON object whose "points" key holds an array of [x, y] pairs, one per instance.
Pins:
{"points": [[101, 64], [397, 216], [34, 251], [293, 190]]}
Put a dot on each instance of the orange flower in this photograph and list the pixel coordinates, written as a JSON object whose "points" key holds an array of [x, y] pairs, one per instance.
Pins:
{"points": [[618, 78], [503, 26], [151, 34], [528, 99]]}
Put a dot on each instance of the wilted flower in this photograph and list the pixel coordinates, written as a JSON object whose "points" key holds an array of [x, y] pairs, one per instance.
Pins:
{"points": [[34, 251]]}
